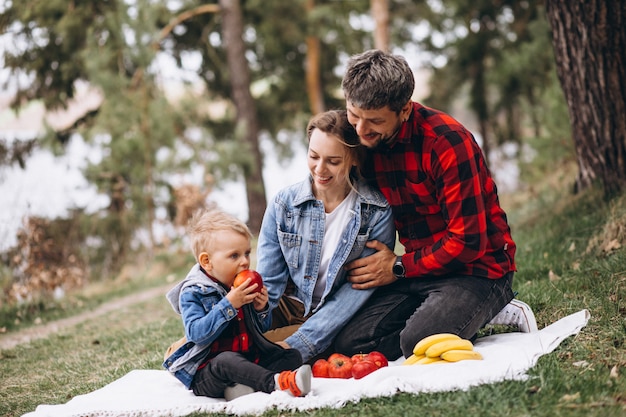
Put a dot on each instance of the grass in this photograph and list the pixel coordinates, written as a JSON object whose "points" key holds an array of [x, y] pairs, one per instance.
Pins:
{"points": [[135, 277], [565, 264], [86, 357]]}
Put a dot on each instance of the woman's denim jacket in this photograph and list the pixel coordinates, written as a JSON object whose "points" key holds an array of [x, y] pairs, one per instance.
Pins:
{"points": [[290, 247]]}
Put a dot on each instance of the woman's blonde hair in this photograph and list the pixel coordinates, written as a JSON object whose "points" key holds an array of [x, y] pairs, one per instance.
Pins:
{"points": [[205, 223], [335, 122]]}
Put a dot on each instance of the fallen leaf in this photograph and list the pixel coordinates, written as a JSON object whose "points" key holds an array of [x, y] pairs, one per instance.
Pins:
{"points": [[611, 246], [553, 277], [581, 364], [534, 389], [570, 397], [572, 247], [614, 372]]}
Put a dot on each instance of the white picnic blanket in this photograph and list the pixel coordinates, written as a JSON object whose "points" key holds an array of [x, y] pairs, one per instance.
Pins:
{"points": [[156, 393]]}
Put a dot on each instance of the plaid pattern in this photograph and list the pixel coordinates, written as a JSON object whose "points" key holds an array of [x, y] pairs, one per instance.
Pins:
{"points": [[444, 200], [234, 338]]}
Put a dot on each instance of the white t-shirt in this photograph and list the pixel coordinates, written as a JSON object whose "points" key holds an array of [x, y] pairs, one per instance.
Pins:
{"points": [[336, 222]]}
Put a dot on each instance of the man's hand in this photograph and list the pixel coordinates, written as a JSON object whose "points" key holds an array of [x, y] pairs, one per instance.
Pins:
{"points": [[374, 270]]}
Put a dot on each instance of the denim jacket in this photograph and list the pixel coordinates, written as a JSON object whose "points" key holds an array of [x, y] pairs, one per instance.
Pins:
{"points": [[206, 313], [290, 247]]}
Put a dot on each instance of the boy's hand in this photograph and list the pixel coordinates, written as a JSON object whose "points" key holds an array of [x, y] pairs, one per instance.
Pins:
{"points": [[243, 294], [261, 300]]}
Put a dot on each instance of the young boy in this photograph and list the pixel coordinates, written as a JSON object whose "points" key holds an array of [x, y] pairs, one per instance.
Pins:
{"points": [[225, 354]]}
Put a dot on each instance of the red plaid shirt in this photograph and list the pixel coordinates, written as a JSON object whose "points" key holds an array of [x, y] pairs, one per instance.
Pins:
{"points": [[444, 200]]}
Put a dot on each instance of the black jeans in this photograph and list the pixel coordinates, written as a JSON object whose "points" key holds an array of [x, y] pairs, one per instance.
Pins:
{"points": [[229, 368], [399, 315]]}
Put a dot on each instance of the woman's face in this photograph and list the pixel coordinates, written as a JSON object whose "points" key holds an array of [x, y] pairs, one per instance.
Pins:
{"points": [[329, 162]]}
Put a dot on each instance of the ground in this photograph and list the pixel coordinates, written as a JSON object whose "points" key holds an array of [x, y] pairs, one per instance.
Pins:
{"points": [[12, 339]]}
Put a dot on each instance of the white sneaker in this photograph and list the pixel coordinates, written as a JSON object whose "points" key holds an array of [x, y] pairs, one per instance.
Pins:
{"points": [[303, 379], [236, 391], [519, 314]]}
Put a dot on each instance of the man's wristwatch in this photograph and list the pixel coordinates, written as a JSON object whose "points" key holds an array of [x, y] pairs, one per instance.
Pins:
{"points": [[398, 268]]}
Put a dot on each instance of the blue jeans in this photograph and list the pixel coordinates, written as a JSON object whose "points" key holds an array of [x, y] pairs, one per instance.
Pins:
{"points": [[229, 368], [399, 315]]}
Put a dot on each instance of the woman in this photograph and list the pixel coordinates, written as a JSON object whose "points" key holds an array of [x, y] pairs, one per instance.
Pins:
{"points": [[310, 230]]}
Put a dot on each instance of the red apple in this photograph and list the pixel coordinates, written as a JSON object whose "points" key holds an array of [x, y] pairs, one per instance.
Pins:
{"points": [[378, 358], [358, 357], [249, 273], [340, 366], [362, 368], [320, 368], [336, 356]]}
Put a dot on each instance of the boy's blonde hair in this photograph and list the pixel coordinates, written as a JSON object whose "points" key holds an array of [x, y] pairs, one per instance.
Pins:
{"points": [[205, 223]]}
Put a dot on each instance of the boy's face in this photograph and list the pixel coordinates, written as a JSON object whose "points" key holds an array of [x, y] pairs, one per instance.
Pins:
{"points": [[229, 256]]}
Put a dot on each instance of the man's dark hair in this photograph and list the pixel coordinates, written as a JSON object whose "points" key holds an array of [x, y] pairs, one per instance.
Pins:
{"points": [[375, 79]]}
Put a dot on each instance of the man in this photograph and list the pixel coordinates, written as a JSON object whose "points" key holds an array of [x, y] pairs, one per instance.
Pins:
{"points": [[456, 273]]}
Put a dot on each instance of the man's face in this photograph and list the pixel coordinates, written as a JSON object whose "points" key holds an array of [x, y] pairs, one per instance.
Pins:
{"points": [[374, 126]]}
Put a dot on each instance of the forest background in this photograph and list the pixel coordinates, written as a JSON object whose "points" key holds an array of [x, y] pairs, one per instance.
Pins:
{"points": [[545, 79], [541, 84]]}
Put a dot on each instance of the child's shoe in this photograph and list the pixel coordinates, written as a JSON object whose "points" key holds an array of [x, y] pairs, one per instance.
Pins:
{"points": [[298, 382]]}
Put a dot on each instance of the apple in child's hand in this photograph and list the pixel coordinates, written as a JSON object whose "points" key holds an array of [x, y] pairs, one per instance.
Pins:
{"points": [[339, 366], [362, 368], [320, 368], [378, 358], [249, 273]]}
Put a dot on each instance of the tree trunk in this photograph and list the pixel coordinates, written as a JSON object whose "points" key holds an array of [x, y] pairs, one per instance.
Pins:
{"points": [[232, 32], [380, 14], [479, 103], [146, 135], [312, 67], [589, 43]]}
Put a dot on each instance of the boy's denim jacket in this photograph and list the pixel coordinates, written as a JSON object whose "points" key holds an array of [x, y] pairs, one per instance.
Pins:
{"points": [[290, 248], [206, 306]]}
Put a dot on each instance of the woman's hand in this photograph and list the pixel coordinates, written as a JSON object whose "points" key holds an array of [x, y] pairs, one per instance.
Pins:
{"points": [[283, 344]]}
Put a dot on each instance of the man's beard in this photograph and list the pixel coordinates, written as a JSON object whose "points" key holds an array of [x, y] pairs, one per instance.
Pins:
{"points": [[385, 141]]}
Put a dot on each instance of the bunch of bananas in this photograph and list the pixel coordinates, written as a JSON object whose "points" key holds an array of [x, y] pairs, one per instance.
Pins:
{"points": [[442, 347]]}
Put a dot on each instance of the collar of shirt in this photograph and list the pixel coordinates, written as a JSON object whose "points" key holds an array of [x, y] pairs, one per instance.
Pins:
{"points": [[213, 279]]}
